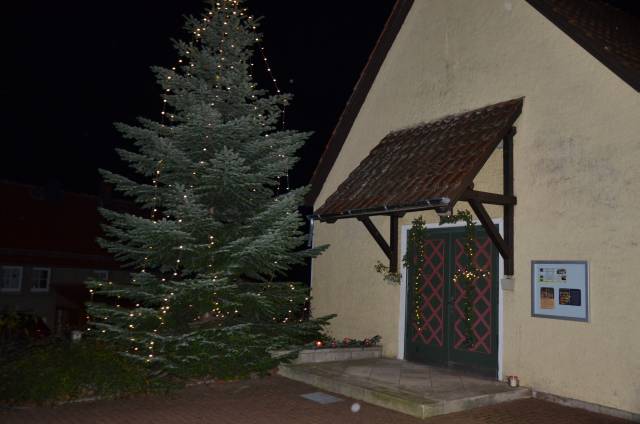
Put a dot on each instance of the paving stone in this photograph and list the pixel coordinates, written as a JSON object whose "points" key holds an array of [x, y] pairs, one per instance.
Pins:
{"points": [[389, 375], [407, 380], [363, 371], [277, 400], [321, 398]]}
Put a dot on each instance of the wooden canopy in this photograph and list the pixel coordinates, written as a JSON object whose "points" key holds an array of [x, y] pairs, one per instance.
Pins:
{"points": [[431, 166]]}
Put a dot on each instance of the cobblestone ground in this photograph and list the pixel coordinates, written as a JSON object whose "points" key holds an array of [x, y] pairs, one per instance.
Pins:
{"points": [[277, 400]]}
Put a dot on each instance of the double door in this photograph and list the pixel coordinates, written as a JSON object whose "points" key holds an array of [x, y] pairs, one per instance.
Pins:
{"points": [[435, 330]]}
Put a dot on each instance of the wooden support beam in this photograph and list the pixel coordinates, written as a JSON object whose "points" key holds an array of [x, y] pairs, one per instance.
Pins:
{"points": [[491, 228], [390, 249], [490, 198], [393, 243], [508, 209], [476, 199], [376, 235]]}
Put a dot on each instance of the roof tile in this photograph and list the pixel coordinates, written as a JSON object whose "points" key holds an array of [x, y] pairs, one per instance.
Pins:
{"points": [[610, 34], [429, 161]]}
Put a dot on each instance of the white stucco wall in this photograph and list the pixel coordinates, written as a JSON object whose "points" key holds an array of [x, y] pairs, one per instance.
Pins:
{"points": [[577, 180]]}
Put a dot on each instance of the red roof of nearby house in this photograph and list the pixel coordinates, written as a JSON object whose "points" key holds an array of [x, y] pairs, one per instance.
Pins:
{"points": [[52, 227]]}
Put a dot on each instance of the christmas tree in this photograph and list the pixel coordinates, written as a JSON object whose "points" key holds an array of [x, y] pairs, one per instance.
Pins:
{"points": [[216, 237]]}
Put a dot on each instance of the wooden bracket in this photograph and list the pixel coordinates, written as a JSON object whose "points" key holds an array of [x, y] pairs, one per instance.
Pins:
{"points": [[490, 198], [476, 199], [390, 249], [490, 227]]}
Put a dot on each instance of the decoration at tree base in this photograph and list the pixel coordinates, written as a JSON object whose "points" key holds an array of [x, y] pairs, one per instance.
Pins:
{"points": [[331, 343], [207, 296]]}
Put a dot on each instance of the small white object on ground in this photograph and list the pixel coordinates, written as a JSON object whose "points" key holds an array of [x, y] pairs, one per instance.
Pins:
{"points": [[355, 407]]}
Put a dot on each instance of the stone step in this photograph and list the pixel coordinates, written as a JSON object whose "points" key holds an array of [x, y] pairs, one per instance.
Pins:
{"points": [[394, 398]]}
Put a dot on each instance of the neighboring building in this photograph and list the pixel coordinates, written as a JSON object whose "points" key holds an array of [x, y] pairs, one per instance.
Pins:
{"points": [[566, 75], [48, 249]]}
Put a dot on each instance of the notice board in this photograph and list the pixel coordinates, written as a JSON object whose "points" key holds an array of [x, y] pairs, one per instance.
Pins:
{"points": [[560, 290]]}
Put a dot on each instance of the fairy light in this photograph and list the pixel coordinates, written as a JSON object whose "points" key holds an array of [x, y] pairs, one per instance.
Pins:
{"points": [[467, 275], [190, 57], [417, 235], [276, 87]]}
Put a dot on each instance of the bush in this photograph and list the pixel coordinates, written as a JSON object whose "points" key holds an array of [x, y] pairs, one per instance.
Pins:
{"points": [[18, 331], [60, 371]]}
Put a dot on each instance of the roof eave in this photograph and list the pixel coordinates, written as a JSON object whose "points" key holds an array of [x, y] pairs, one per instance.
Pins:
{"points": [[436, 203]]}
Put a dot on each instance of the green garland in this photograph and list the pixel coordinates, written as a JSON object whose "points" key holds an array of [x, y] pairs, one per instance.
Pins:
{"points": [[389, 277], [468, 274], [417, 235]]}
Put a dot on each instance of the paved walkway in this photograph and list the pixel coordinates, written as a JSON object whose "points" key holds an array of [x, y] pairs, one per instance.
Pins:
{"points": [[276, 400], [416, 389]]}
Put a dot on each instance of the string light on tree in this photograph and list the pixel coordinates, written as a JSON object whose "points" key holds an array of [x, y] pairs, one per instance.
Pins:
{"points": [[211, 253]]}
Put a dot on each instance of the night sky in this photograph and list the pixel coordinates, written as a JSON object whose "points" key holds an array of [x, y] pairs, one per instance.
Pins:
{"points": [[72, 68]]}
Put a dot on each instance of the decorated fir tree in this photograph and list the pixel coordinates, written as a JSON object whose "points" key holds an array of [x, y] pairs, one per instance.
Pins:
{"points": [[211, 248]]}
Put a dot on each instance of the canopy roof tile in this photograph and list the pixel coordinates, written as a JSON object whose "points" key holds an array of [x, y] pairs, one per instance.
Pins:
{"points": [[423, 167]]}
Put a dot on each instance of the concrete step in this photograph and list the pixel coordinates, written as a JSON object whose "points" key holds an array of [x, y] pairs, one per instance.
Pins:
{"points": [[410, 402]]}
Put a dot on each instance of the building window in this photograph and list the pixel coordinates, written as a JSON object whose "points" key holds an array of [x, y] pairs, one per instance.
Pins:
{"points": [[101, 275], [40, 279], [11, 278]]}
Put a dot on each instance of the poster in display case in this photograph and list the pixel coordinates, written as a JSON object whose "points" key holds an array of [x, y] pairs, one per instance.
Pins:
{"points": [[560, 290]]}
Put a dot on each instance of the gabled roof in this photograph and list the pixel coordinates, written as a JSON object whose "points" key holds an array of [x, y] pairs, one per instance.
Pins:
{"points": [[53, 229], [360, 91], [425, 166], [607, 33]]}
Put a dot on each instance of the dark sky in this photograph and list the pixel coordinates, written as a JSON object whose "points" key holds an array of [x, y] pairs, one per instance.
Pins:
{"points": [[72, 68]]}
